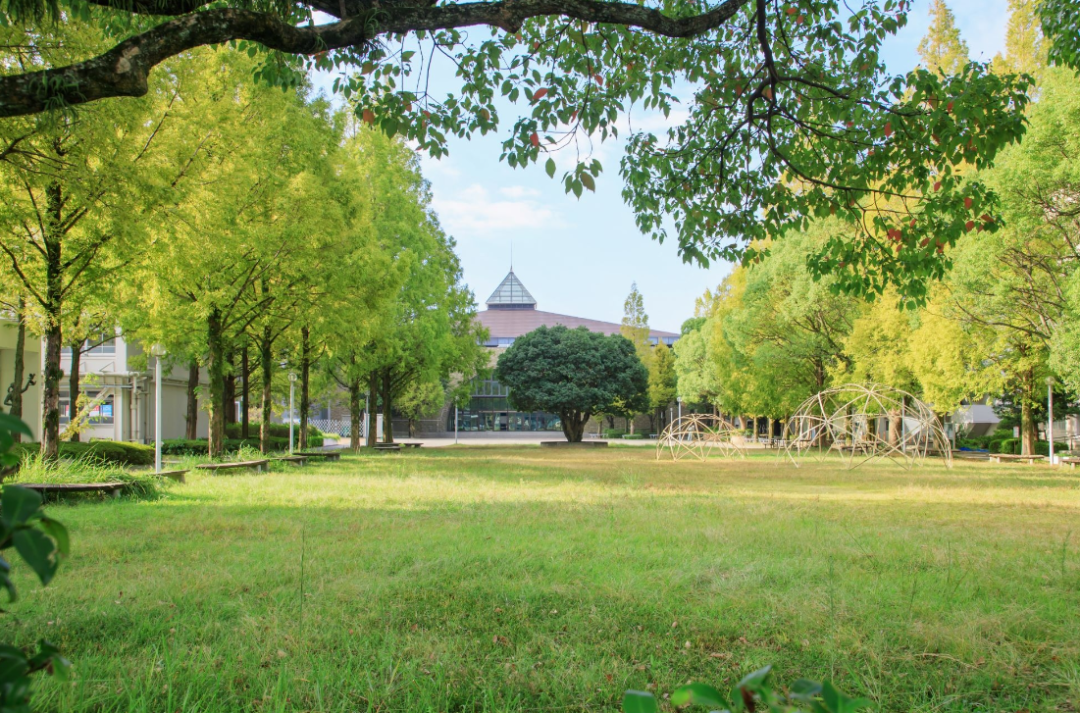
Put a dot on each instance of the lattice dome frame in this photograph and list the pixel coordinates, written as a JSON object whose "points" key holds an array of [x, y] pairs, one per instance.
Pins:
{"points": [[860, 422], [697, 435]]}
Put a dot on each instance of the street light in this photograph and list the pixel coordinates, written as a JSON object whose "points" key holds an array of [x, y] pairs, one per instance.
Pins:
{"points": [[679, 399], [1050, 415], [292, 390], [157, 351], [455, 423]]}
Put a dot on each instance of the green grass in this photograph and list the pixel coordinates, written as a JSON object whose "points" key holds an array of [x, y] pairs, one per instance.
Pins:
{"points": [[530, 579]]}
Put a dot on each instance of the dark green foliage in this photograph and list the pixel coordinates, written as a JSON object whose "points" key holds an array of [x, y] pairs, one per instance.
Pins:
{"points": [[277, 430], [41, 542], [755, 692], [199, 447], [614, 433], [574, 373], [105, 452]]}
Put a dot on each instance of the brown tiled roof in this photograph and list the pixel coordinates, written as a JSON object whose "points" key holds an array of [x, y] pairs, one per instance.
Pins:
{"points": [[517, 322]]}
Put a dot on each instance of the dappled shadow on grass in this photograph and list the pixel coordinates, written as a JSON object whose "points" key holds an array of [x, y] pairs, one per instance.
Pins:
{"points": [[543, 605], [510, 580]]}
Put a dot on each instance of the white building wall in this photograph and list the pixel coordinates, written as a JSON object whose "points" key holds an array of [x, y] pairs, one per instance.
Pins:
{"points": [[133, 394]]}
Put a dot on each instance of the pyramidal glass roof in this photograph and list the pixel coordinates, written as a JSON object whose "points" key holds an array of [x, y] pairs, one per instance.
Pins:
{"points": [[511, 294]]}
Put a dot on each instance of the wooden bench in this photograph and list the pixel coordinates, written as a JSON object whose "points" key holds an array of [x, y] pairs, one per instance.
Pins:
{"points": [[112, 489], [1071, 461], [177, 475], [293, 460], [412, 445], [388, 447], [325, 455], [1010, 458], [257, 465]]}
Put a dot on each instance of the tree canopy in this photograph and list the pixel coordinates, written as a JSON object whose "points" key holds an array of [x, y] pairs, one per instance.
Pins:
{"points": [[790, 110], [574, 373]]}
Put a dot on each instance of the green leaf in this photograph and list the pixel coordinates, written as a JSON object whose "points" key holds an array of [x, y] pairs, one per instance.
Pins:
{"points": [[58, 532], [698, 694], [38, 551], [756, 679], [837, 702], [587, 181], [14, 425], [17, 505], [13, 664], [639, 702], [550, 167]]}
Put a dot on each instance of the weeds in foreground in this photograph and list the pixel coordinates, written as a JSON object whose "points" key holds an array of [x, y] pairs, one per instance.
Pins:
{"points": [[34, 468]]}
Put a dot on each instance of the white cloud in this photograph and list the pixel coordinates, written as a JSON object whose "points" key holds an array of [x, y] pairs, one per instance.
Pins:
{"points": [[519, 192], [474, 211]]}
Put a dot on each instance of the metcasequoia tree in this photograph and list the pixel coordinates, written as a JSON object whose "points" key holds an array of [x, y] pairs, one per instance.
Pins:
{"points": [[635, 327], [259, 207], [78, 192], [574, 373], [1014, 287], [791, 112]]}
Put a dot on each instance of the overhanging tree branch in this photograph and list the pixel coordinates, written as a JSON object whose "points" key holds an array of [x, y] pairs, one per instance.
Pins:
{"points": [[123, 70]]}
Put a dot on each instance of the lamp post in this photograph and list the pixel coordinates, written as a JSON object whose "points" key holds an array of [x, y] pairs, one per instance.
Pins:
{"points": [[1050, 415], [679, 399], [455, 423], [157, 351], [292, 391]]}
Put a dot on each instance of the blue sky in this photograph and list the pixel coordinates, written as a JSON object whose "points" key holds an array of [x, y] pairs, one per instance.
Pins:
{"points": [[579, 257]]}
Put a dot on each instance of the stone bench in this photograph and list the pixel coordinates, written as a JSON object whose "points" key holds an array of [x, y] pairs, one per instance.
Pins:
{"points": [[1011, 458], [177, 475], [412, 445], [325, 455], [111, 489], [388, 447], [256, 465], [1071, 461], [293, 460]]}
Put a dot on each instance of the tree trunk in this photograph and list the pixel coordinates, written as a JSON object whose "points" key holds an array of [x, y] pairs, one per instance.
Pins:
{"points": [[215, 341], [20, 367], [191, 419], [573, 425], [354, 414], [896, 427], [73, 390], [230, 387], [305, 383], [54, 338], [1029, 429], [267, 358], [387, 419], [373, 403], [245, 369]]}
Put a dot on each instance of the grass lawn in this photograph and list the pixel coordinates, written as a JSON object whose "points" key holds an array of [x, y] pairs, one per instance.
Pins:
{"points": [[523, 579]]}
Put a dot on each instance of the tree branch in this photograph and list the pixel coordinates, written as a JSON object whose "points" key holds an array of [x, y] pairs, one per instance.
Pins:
{"points": [[123, 70]]}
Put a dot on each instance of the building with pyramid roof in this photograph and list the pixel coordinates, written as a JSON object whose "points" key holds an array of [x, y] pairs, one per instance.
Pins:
{"points": [[511, 312]]}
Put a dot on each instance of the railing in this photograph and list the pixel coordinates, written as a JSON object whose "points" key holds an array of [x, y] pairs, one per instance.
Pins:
{"points": [[335, 426]]}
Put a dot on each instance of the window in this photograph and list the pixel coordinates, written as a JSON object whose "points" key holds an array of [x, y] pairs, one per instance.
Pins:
{"points": [[95, 346], [100, 415], [499, 342]]}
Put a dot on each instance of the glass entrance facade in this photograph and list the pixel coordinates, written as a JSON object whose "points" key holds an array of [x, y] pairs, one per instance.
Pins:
{"points": [[489, 410]]}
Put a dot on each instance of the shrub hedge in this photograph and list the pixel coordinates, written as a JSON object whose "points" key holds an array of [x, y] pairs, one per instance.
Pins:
{"points": [[110, 452], [277, 430], [613, 433], [200, 446]]}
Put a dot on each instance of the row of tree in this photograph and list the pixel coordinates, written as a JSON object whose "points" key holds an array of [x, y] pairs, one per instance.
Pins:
{"points": [[243, 227], [1003, 319]]}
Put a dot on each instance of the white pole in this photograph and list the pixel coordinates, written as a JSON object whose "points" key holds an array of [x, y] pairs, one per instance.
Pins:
{"points": [[157, 414], [455, 423], [1050, 423], [367, 414], [292, 390]]}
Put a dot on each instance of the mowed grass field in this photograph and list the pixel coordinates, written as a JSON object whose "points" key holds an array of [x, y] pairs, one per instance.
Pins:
{"points": [[528, 579]]}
